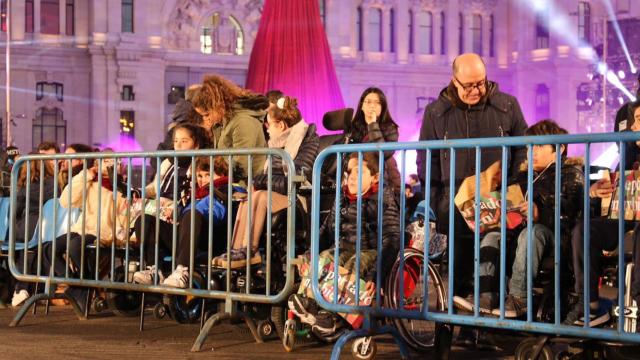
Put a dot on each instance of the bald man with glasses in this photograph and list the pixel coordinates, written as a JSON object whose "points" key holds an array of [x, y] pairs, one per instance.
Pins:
{"points": [[471, 106]]}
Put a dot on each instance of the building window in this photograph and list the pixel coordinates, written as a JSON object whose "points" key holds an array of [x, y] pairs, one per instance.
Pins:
{"points": [[476, 34], [70, 18], [127, 93], [221, 35], [622, 6], [392, 31], [542, 30], [176, 93], [584, 21], [28, 16], [50, 16], [52, 90], [411, 46], [49, 125], [492, 37], [359, 29], [443, 37], [542, 102], [460, 33], [127, 126], [3, 15], [425, 32], [127, 16], [374, 30]]}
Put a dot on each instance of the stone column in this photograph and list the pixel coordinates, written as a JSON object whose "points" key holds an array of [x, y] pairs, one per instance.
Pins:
{"points": [[36, 17], [62, 24], [486, 31], [437, 23], [18, 19], [386, 30], [363, 28]]}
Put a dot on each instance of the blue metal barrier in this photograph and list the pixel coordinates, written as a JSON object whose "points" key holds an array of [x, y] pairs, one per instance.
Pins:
{"points": [[616, 333], [111, 266]]}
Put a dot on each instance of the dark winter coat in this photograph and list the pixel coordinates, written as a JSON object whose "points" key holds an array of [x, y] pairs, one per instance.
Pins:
{"points": [[572, 184], [624, 120], [307, 154], [496, 115], [34, 204], [369, 231]]}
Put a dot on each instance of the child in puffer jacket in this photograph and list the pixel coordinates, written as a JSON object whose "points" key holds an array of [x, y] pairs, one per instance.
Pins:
{"points": [[306, 308]]}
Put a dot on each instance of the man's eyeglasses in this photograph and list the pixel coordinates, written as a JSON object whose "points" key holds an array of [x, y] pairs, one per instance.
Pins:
{"points": [[480, 85]]}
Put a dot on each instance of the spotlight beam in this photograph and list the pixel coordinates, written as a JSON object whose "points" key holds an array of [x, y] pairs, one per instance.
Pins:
{"points": [[560, 25], [616, 27]]}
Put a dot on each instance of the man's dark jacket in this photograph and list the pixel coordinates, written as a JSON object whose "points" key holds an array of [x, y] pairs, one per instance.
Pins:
{"points": [[496, 115]]}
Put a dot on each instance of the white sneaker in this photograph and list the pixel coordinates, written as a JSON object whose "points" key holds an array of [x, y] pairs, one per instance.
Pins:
{"points": [[145, 277], [19, 297], [179, 278]]}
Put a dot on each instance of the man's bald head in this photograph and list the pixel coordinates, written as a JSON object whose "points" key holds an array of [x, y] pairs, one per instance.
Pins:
{"points": [[469, 78], [468, 62]]}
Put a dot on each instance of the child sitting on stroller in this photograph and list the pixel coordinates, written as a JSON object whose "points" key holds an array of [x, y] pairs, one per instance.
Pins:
{"points": [[323, 322]]}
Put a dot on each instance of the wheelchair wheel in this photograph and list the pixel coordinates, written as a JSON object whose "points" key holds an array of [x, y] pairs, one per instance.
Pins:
{"points": [[419, 334], [186, 309], [120, 302], [524, 351], [279, 318], [364, 348]]}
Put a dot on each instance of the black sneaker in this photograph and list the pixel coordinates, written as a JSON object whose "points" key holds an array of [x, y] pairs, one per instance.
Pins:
{"points": [[514, 307], [486, 342], [597, 317], [466, 337], [325, 323], [304, 308]]}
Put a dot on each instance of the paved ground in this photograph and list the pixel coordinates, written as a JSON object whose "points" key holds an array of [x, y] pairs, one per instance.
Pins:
{"points": [[105, 336]]}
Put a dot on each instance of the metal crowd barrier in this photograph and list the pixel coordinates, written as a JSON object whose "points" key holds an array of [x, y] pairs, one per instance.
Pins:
{"points": [[617, 333], [111, 267]]}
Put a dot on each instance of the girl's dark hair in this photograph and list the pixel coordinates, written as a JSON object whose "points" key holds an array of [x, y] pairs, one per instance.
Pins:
{"points": [[274, 95], [359, 125], [547, 127], [371, 160], [80, 148], [289, 113], [198, 134]]}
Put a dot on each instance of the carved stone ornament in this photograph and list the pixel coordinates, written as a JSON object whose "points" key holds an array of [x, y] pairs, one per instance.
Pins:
{"points": [[428, 4], [185, 19], [484, 6]]}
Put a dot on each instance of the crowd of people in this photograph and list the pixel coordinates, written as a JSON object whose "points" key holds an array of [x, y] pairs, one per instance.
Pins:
{"points": [[217, 114]]}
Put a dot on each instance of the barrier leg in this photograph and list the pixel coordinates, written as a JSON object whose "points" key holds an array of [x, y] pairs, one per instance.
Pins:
{"points": [[213, 320], [252, 326], [81, 314], [142, 312], [442, 342], [25, 308]]}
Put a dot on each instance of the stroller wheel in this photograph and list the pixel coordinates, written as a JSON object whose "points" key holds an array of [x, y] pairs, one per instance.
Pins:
{"points": [[159, 311], [526, 348], [364, 348], [266, 329], [289, 336], [98, 304]]}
